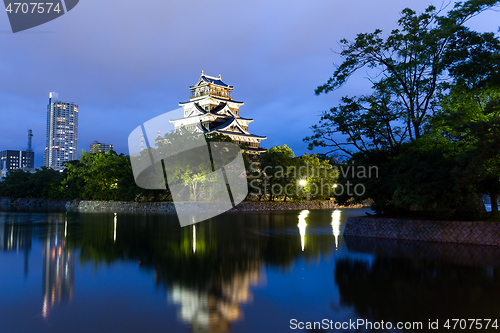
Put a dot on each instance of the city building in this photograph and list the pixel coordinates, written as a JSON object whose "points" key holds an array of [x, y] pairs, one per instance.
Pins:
{"points": [[211, 109], [97, 147], [62, 133], [17, 159]]}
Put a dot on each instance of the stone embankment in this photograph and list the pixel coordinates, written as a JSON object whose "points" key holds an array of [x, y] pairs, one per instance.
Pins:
{"points": [[154, 207], [168, 207], [484, 233], [33, 204]]}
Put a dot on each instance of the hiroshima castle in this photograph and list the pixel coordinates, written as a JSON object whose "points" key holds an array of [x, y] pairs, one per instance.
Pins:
{"points": [[211, 109]]}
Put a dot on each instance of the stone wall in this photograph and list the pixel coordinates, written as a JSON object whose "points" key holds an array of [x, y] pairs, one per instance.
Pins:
{"points": [[286, 205], [33, 204], [119, 206], [168, 207], [485, 233], [156, 207]]}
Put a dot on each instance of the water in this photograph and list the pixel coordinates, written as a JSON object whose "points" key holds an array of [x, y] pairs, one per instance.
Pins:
{"points": [[488, 207], [246, 272]]}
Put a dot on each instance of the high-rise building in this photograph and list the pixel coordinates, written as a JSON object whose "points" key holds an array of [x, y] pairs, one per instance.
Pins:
{"points": [[97, 147], [62, 133]]}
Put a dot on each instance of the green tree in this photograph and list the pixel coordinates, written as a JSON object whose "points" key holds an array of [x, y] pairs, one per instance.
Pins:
{"points": [[320, 177], [99, 176], [46, 183], [277, 167], [412, 62], [471, 120], [16, 184], [425, 125]]}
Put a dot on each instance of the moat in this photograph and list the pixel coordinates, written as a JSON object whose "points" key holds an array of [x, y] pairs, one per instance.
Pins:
{"points": [[239, 272]]}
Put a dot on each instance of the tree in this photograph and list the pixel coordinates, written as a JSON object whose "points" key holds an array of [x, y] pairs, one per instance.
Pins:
{"points": [[197, 168], [277, 165], [44, 183], [16, 184], [471, 120], [320, 177], [425, 125], [100, 176], [412, 62]]}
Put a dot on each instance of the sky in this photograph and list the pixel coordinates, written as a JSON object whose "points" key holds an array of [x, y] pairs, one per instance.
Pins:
{"points": [[124, 62]]}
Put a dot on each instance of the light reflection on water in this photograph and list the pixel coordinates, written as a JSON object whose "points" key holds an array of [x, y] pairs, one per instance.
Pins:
{"points": [[336, 226], [250, 272], [302, 227]]}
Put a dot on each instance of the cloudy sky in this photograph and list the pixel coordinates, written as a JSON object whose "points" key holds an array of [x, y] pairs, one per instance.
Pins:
{"points": [[126, 61]]}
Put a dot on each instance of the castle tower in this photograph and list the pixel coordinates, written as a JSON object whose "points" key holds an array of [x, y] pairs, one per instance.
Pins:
{"points": [[211, 109]]}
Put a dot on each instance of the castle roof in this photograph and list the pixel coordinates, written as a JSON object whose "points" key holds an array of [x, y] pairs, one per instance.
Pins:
{"points": [[210, 79], [240, 134]]}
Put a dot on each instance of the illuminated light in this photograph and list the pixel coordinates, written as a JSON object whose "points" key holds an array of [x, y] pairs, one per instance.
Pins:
{"points": [[194, 239], [139, 262], [336, 226], [45, 307], [334, 185], [302, 227], [302, 182], [114, 232]]}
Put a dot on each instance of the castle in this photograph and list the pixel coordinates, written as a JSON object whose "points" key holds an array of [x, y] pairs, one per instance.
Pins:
{"points": [[211, 109]]}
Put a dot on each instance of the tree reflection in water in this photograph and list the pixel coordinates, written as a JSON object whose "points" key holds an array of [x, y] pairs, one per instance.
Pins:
{"points": [[208, 271], [208, 268], [394, 288]]}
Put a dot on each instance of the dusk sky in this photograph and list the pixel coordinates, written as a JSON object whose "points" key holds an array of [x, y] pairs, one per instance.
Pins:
{"points": [[125, 62]]}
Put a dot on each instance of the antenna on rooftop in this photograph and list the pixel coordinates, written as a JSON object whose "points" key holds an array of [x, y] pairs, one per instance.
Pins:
{"points": [[30, 135]]}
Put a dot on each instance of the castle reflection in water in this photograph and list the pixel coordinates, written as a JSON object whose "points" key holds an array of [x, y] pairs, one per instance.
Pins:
{"points": [[209, 270]]}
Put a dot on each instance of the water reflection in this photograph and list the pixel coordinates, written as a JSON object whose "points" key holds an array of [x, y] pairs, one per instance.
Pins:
{"points": [[302, 227], [397, 289], [234, 271], [418, 281], [115, 220], [194, 239], [217, 305], [336, 226], [58, 265], [15, 239]]}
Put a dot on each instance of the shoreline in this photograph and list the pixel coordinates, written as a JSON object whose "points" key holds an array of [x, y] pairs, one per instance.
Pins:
{"points": [[84, 206]]}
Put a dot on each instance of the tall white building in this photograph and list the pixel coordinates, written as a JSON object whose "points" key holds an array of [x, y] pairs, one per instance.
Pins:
{"points": [[62, 132]]}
